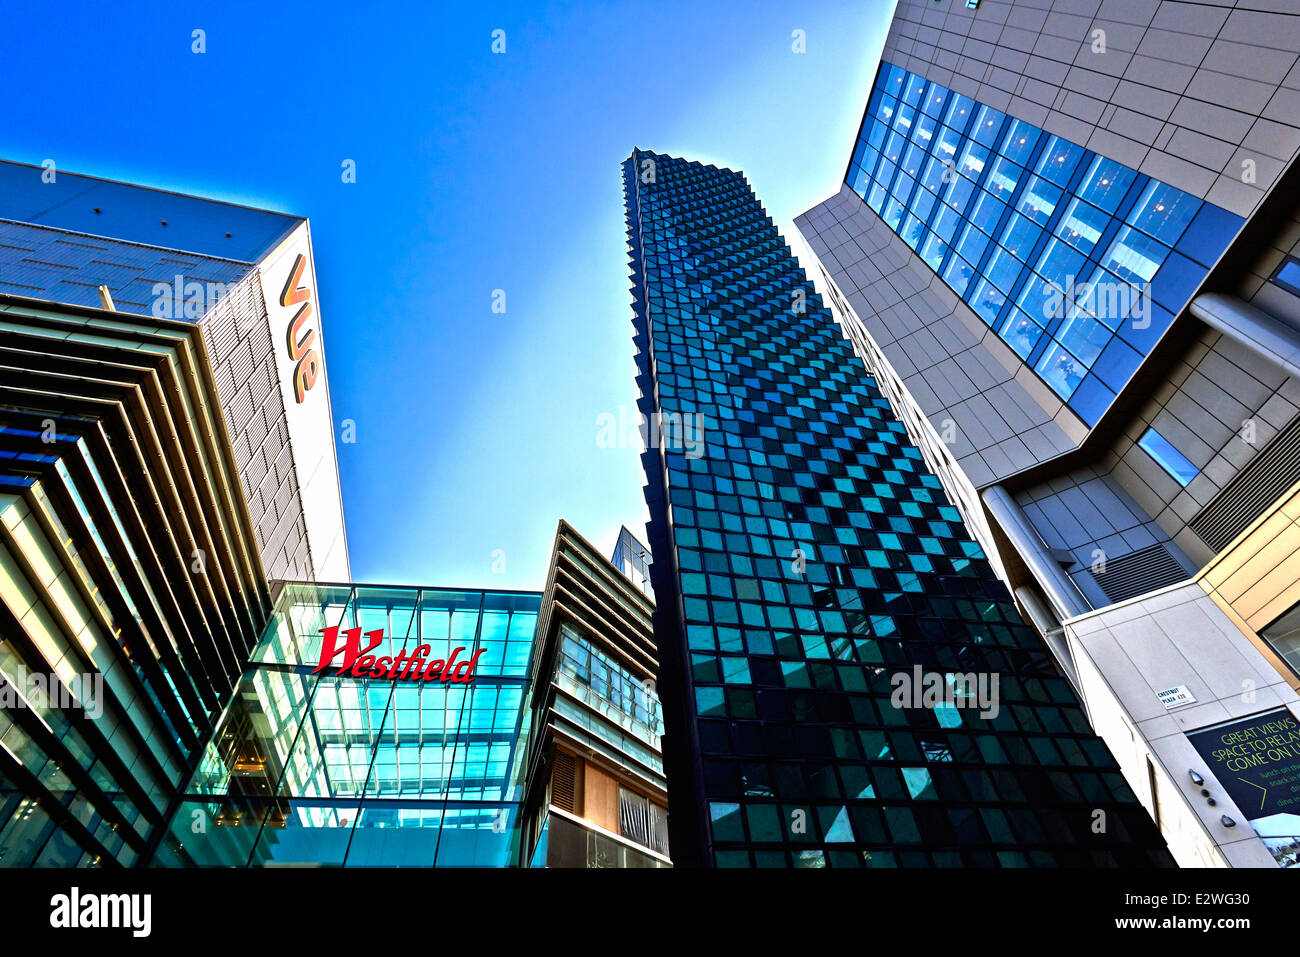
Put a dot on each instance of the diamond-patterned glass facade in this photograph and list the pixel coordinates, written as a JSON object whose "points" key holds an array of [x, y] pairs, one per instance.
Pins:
{"points": [[806, 562]]}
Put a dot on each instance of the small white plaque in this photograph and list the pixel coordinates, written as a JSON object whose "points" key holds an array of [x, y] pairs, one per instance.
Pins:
{"points": [[1175, 697]]}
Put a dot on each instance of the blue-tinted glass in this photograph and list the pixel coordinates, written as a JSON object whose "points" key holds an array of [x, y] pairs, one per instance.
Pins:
{"points": [[1143, 332], [922, 203], [923, 130], [1019, 142], [934, 98], [957, 274], [959, 112], [1004, 270], [932, 179], [1003, 178], [1163, 212], [1090, 400], [1041, 300], [1020, 235], [946, 144], [1082, 225], [972, 244], [1060, 370], [1105, 183], [876, 197], [877, 135], [1142, 279], [1107, 298], [1288, 275], [913, 89], [986, 299], [1021, 333], [932, 251], [1058, 161], [893, 213], [904, 119], [888, 107], [1084, 336], [1060, 264], [945, 224], [1177, 279], [912, 230], [902, 188], [959, 193], [1117, 363], [1133, 256], [914, 159], [987, 212], [988, 123], [885, 171], [870, 158], [973, 158], [1168, 457], [893, 150], [859, 180], [1209, 234], [1039, 200], [892, 80]]}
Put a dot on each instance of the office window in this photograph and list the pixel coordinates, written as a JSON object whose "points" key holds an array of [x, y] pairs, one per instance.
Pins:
{"points": [[1005, 185], [643, 821], [1283, 636], [1168, 457], [1288, 275]]}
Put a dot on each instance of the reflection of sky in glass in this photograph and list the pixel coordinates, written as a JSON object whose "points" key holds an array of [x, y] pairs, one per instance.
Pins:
{"points": [[339, 751], [993, 204]]}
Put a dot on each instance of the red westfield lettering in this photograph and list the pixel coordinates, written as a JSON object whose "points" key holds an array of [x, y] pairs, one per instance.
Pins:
{"points": [[357, 662]]}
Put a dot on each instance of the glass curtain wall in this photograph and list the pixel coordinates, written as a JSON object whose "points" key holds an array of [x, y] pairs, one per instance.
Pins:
{"points": [[324, 769]]}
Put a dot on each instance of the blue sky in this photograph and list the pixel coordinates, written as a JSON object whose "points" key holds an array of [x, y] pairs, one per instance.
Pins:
{"points": [[476, 171]]}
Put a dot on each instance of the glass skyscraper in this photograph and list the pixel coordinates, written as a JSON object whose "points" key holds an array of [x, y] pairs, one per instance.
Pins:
{"points": [[811, 577]]}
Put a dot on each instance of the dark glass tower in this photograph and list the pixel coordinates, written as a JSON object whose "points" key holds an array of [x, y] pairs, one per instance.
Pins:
{"points": [[807, 564]]}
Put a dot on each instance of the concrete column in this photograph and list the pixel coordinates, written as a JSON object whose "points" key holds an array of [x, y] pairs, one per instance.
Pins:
{"points": [[1052, 631], [1264, 334], [1064, 595]]}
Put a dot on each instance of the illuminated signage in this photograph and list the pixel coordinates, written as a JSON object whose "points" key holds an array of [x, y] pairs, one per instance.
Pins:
{"points": [[358, 663], [300, 336]]}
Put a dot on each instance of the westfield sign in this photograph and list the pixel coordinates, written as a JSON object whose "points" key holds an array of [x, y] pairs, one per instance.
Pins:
{"points": [[357, 662]]}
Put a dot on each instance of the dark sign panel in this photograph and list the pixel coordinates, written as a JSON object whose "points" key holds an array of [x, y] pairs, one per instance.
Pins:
{"points": [[1257, 761]]}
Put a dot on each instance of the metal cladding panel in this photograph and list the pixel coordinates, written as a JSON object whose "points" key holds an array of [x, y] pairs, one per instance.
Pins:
{"points": [[41, 262]]}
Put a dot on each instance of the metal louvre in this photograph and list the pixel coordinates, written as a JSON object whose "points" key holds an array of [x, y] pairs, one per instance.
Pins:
{"points": [[563, 782], [1137, 573], [1271, 472]]}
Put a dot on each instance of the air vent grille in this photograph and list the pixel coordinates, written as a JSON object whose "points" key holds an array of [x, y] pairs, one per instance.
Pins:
{"points": [[563, 780], [1261, 483], [1137, 573]]}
